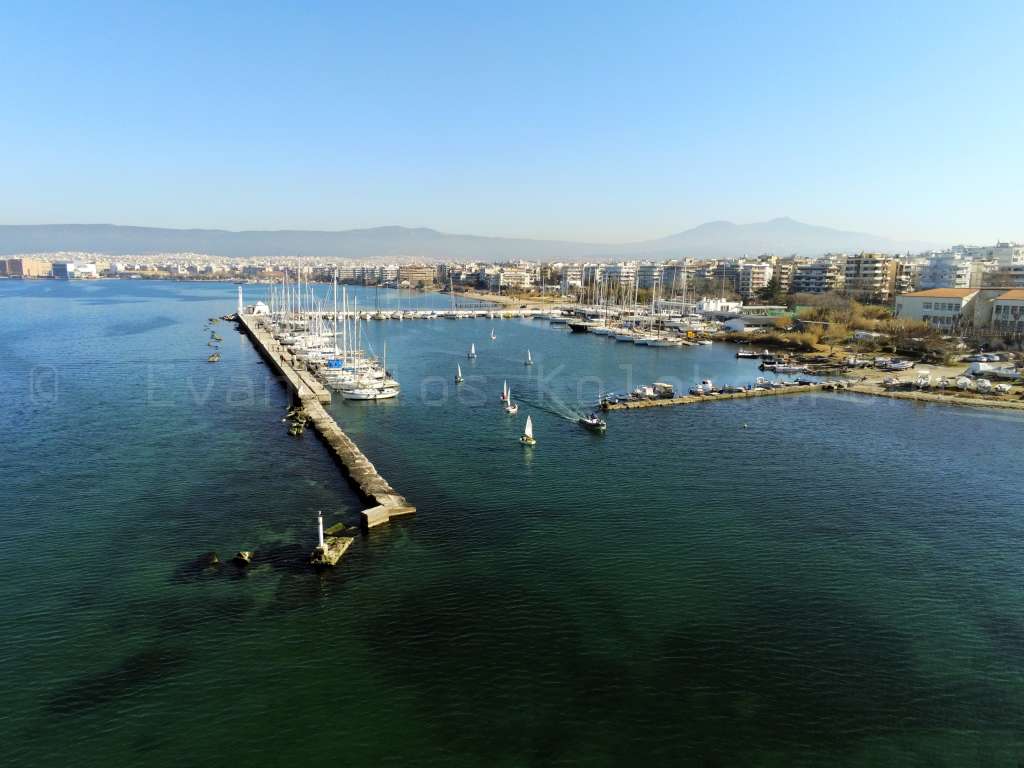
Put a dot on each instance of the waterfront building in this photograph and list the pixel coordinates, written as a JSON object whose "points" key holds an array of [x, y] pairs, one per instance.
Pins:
{"points": [[675, 277], [620, 275], [509, 277], [414, 275], [1008, 312], [70, 270], [649, 275], [27, 267], [572, 278], [947, 309], [593, 273]]}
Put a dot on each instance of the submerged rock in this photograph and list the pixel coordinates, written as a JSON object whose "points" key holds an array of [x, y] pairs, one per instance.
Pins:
{"points": [[244, 557]]}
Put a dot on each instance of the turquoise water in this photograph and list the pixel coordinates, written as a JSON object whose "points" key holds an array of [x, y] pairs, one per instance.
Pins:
{"points": [[838, 583]]}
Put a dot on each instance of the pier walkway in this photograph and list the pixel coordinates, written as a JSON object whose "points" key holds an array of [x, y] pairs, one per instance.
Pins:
{"points": [[388, 503]]}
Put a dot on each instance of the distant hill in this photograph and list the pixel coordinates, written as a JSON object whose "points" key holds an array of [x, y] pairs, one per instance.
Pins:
{"points": [[720, 239], [723, 239]]}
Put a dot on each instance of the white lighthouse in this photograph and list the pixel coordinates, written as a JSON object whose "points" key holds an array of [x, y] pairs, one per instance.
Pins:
{"points": [[320, 529], [241, 306]]}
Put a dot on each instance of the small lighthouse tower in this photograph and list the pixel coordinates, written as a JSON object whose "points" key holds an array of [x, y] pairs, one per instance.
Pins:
{"points": [[320, 529], [241, 306]]}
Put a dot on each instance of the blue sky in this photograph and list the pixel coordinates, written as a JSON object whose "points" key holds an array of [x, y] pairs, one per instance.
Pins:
{"points": [[586, 121]]}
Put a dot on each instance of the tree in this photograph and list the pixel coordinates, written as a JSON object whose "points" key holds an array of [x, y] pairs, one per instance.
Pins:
{"points": [[772, 293]]}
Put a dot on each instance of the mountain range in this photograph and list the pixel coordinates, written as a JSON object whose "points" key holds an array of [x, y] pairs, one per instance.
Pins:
{"points": [[717, 239]]}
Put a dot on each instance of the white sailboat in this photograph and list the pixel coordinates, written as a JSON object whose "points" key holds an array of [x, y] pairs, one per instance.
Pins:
{"points": [[458, 374], [529, 358], [510, 408], [472, 351], [504, 392], [527, 438], [493, 337]]}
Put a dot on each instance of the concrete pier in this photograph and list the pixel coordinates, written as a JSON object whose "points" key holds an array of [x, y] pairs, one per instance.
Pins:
{"points": [[386, 502]]}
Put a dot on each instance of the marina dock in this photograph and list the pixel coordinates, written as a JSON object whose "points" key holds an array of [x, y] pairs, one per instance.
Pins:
{"points": [[388, 503], [694, 399]]}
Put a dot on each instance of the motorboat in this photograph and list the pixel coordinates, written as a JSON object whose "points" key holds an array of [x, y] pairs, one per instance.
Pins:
{"points": [[593, 423]]}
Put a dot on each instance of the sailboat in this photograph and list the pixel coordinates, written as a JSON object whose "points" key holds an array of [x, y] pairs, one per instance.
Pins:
{"points": [[527, 438], [529, 358], [504, 392], [510, 408], [458, 374], [472, 351], [493, 337]]}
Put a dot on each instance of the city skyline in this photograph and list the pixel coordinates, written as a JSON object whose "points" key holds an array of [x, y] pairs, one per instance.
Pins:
{"points": [[578, 123]]}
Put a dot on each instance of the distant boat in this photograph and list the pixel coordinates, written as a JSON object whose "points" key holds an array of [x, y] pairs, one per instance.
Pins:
{"points": [[458, 374], [529, 358], [510, 408], [504, 392], [527, 438], [214, 358], [493, 337], [472, 351]]}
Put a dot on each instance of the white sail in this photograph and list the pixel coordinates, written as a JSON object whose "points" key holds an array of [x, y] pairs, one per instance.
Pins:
{"points": [[458, 370], [504, 390], [472, 349], [528, 429], [529, 359]]}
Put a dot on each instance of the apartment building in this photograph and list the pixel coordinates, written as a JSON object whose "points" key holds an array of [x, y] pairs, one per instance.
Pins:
{"points": [[414, 274], [871, 277], [818, 276], [753, 277]]}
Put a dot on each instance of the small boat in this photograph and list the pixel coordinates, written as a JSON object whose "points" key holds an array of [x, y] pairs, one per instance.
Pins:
{"points": [[510, 408], [581, 326], [493, 337], [706, 342], [593, 423], [214, 358], [372, 391], [472, 351], [527, 438], [529, 359], [458, 374], [749, 354]]}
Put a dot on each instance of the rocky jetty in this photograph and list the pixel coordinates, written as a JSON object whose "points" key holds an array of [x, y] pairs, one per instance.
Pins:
{"points": [[330, 553]]}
